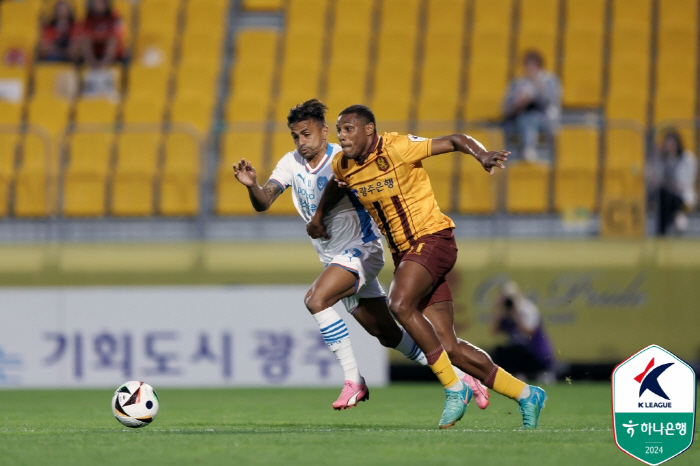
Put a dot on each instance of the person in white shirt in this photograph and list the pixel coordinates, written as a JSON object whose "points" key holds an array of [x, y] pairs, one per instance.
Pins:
{"points": [[671, 176]]}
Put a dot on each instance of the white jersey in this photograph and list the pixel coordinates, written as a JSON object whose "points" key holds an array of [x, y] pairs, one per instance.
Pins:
{"points": [[348, 223]]}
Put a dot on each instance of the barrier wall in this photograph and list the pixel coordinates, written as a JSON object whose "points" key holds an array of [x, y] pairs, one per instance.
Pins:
{"points": [[601, 300], [170, 336]]}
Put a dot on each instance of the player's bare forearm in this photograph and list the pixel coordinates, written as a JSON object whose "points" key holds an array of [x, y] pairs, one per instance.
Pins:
{"points": [[468, 145], [263, 197], [332, 194]]}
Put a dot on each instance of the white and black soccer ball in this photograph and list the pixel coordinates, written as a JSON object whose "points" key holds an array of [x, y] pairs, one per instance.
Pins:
{"points": [[135, 404]]}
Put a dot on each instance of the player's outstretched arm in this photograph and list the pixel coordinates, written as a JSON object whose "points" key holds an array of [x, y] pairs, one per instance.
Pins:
{"points": [[467, 144], [332, 194], [261, 197]]}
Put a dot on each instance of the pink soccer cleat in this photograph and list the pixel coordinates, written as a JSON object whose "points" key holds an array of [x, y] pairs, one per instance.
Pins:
{"points": [[352, 394], [481, 393]]}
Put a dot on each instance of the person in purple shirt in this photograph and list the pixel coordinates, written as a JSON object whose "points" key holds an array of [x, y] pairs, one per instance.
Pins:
{"points": [[529, 350]]}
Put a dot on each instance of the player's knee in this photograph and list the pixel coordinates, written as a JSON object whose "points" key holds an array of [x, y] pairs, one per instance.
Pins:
{"points": [[399, 306], [315, 303]]}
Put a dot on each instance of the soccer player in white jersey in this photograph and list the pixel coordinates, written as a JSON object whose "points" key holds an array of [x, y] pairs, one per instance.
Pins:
{"points": [[352, 258]]}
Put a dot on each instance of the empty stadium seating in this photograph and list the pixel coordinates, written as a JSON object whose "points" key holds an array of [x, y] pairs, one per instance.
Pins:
{"points": [[487, 73], [576, 170]]}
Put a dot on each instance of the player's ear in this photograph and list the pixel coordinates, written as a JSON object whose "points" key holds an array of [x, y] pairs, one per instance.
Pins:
{"points": [[324, 131], [369, 129]]}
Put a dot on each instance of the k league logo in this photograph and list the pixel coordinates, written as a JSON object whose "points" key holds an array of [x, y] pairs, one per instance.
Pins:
{"points": [[653, 404]]}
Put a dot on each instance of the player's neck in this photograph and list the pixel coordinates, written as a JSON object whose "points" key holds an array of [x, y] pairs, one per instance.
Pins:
{"points": [[313, 163]]}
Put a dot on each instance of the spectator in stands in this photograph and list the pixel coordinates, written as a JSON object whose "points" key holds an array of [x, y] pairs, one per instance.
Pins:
{"points": [[529, 351], [59, 35], [102, 35], [532, 106], [671, 176]]}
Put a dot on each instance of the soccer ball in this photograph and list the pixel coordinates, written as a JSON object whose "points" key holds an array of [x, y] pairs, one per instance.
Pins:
{"points": [[135, 404]]}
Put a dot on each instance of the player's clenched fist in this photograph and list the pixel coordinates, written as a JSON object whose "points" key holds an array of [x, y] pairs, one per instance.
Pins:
{"points": [[245, 173], [316, 229]]}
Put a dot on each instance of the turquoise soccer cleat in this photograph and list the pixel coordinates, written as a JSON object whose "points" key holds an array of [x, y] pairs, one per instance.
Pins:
{"points": [[455, 406], [531, 406]]}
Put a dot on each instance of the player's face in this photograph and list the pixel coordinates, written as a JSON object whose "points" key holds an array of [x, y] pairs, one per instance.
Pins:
{"points": [[309, 137], [354, 135]]}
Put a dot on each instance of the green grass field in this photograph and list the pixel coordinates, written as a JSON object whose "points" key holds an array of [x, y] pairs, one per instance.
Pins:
{"points": [[297, 426]]}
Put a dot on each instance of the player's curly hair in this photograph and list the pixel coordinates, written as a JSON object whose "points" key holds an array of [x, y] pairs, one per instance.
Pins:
{"points": [[362, 111], [312, 109]]}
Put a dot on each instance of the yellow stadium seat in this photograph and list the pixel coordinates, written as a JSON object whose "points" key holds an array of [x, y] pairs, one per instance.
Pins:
{"points": [[148, 82], [96, 111], [55, 81], [442, 58], [31, 194], [154, 49], [158, 13], [582, 69], [281, 144], [50, 115], [487, 74], [476, 188], [10, 113], [294, 90], [138, 110], [629, 56], [38, 153], [347, 72], [576, 169], [441, 170], [21, 18], [84, 194], [193, 112], [527, 188], [137, 153], [14, 82], [251, 83], [132, 194], [624, 150], [91, 153], [246, 145], [205, 15], [179, 194], [393, 80], [676, 66], [538, 29], [262, 5], [181, 154], [196, 81], [4, 195], [8, 152], [231, 196], [577, 148]]}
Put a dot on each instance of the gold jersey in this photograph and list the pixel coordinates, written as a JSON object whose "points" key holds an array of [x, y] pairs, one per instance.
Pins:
{"points": [[392, 185]]}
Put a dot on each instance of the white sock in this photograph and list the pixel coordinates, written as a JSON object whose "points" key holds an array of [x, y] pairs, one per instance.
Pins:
{"points": [[408, 348], [457, 386], [525, 393], [337, 337]]}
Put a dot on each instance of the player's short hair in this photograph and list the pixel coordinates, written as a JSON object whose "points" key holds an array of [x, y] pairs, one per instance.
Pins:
{"points": [[363, 112], [312, 109], [535, 57]]}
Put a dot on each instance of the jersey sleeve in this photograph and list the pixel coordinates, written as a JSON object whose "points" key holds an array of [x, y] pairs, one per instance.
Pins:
{"points": [[283, 173], [335, 165], [412, 148]]}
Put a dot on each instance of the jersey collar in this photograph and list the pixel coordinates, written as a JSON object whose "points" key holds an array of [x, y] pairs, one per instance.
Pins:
{"points": [[324, 160], [376, 146]]}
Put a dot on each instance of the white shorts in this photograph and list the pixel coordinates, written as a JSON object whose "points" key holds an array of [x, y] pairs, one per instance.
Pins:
{"points": [[365, 260]]}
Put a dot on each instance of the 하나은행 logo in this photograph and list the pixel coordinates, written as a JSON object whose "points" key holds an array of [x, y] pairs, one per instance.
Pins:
{"points": [[653, 405]]}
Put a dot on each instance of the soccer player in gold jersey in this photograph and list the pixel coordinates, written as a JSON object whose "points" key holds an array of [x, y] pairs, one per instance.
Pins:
{"points": [[386, 175]]}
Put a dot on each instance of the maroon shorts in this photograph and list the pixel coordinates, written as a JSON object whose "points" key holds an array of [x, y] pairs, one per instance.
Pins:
{"points": [[436, 252]]}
